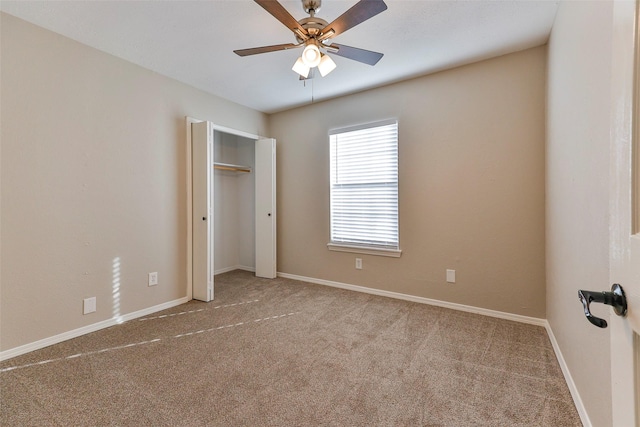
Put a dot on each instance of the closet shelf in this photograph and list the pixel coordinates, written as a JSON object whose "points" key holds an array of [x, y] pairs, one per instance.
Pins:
{"points": [[231, 167]]}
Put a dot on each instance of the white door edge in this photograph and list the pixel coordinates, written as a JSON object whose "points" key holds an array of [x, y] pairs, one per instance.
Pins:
{"points": [[624, 251]]}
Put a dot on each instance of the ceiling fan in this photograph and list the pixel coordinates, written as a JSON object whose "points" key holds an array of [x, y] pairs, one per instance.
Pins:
{"points": [[314, 34]]}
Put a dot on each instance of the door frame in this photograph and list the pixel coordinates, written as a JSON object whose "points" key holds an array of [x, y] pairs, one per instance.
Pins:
{"points": [[215, 127]]}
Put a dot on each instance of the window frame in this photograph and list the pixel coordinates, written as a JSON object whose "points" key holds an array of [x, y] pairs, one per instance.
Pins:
{"points": [[366, 249]]}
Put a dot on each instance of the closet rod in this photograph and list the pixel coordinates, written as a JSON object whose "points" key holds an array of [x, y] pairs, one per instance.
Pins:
{"points": [[230, 167]]}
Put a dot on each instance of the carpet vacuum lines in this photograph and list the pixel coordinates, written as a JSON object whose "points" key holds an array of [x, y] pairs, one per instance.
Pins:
{"points": [[233, 325], [162, 316], [155, 340]]}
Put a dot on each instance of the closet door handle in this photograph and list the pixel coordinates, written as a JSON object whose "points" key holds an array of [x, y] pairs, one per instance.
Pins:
{"points": [[269, 214], [204, 218], [615, 298]]}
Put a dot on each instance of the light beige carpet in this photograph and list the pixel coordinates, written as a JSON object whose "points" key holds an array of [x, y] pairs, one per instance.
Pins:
{"points": [[286, 353]]}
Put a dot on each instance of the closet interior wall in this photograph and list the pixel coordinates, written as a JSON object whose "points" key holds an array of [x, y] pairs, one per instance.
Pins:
{"points": [[234, 204]]}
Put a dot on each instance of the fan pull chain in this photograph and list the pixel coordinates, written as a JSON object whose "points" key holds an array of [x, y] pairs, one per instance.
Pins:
{"points": [[304, 84]]}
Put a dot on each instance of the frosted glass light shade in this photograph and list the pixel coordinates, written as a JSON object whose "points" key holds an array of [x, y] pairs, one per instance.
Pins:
{"points": [[326, 65], [311, 55], [301, 68]]}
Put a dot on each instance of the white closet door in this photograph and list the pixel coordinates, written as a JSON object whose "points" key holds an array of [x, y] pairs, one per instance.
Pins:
{"points": [[202, 169], [265, 174]]}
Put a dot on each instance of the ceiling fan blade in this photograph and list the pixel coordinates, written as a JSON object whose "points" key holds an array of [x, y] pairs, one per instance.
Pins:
{"points": [[357, 54], [265, 49], [280, 13], [358, 13]]}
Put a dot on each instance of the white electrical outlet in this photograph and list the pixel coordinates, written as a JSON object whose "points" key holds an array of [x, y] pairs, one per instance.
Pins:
{"points": [[358, 263], [153, 278], [89, 305], [451, 276]]}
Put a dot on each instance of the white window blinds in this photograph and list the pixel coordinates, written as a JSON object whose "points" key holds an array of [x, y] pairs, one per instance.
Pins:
{"points": [[364, 185]]}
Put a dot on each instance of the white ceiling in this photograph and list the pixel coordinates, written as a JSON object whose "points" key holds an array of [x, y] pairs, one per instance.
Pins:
{"points": [[193, 41]]}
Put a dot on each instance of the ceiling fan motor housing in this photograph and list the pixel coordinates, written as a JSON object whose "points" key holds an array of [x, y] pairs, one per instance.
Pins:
{"points": [[313, 25], [311, 6]]}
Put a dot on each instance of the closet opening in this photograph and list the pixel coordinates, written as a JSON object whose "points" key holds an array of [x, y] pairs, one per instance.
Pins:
{"points": [[231, 203]]}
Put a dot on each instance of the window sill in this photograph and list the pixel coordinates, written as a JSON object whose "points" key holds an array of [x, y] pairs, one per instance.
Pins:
{"points": [[367, 250]]}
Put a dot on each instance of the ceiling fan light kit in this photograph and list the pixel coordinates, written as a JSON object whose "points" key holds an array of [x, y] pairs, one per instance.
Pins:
{"points": [[326, 65], [314, 34], [301, 68], [311, 55]]}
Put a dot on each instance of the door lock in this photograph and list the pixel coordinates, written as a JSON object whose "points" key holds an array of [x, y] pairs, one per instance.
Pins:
{"points": [[615, 298]]}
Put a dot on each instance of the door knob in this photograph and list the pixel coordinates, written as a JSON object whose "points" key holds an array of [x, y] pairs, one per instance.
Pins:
{"points": [[615, 298]]}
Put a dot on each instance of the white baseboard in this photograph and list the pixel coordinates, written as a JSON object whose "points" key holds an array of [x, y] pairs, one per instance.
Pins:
{"points": [[235, 267], [422, 300], [37, 345], [584, 417]]}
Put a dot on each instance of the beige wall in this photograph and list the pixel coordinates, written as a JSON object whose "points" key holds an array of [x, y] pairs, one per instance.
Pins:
{"points": [[577, 201], [93, 170], [471, 146]]}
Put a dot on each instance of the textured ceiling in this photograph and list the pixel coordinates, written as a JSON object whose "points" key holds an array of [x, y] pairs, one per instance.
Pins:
{"points": [[192, 41]]}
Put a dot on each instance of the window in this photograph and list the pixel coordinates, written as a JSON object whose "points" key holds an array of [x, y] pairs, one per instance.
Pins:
{"points": [[364, 189]]}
